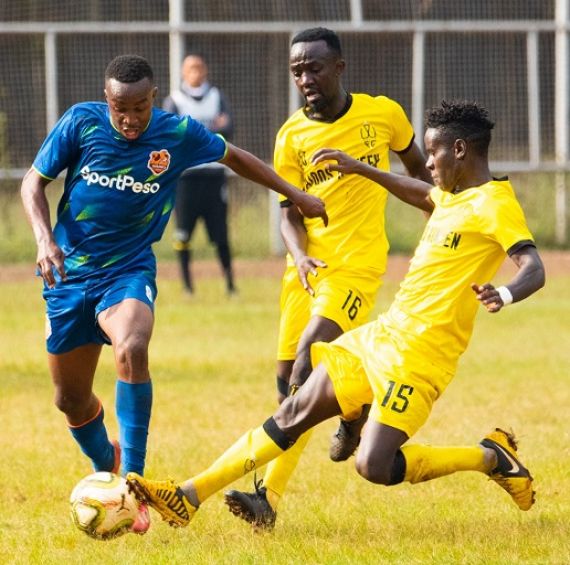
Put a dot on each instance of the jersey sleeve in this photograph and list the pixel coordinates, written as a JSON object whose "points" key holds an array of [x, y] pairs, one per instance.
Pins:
{"points": [[60, 146], [402, 130], [503, 219], [286, 163], [436, 195], [203, 146]]}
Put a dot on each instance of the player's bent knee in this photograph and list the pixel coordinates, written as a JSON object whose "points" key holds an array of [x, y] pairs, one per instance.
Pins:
{"points": [[131, 354], [131, 349], [376, 472], [71, 404]]}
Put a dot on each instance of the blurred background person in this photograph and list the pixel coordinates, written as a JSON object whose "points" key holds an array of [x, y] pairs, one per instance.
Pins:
{"points": [[202, 191]]}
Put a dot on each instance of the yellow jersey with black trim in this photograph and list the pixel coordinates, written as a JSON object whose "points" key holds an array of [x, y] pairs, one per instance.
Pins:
{"points": [[465, 241], [355, 236]]}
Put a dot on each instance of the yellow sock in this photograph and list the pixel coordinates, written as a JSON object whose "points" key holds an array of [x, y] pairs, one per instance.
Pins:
{"points": [[424, 462], [279, 471], [252, 450]]}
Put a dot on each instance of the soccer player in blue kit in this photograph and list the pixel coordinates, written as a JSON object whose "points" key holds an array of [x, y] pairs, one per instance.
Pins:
{"points": [[123, 160]]}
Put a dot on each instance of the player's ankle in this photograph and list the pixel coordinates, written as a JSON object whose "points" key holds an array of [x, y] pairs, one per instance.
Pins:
{"points": [[190, 493], [273, 498], [489, 459]]}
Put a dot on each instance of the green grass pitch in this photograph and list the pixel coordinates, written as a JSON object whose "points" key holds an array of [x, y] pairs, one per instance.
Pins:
{"points": [[212, 362]]}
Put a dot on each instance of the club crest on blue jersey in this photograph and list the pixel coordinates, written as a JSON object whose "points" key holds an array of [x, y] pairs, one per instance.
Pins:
{"points": [[159, 161]]}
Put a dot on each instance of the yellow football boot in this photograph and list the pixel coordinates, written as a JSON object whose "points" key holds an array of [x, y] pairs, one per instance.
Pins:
{"points": [[166, 497], [510, 473]]}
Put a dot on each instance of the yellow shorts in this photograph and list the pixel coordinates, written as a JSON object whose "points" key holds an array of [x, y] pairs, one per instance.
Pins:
{"points": [[371, 365], [340, 296]]}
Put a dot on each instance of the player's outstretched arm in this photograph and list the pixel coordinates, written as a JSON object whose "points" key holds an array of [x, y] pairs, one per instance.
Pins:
{"points": [[36, 206], [251, 167], [528, 279], [410, 190]]}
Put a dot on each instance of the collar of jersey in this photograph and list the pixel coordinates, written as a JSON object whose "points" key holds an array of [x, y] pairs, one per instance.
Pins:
{"points": [[344, 110]]}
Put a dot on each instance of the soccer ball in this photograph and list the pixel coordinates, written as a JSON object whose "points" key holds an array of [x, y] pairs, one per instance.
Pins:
{"points": [[102, 506]]}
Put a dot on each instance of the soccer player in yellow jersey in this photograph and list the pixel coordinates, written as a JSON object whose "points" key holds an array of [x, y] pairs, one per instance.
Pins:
{"points": [[333, 274], [402, 362]]}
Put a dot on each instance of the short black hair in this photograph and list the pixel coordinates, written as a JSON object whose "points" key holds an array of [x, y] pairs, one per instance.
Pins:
{"points": [[319, 34], [198, 54], [462, 119], [129, 68]]}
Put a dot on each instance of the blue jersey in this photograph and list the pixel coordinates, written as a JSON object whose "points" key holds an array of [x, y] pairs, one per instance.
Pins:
{"points": [[118, 194]]}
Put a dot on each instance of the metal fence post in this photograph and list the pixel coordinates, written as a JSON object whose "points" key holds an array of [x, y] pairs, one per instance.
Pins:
{"points": [[175, 42], [50, 54], [561, 116]]}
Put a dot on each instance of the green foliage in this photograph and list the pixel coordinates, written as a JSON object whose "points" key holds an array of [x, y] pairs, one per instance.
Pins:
{"points": [[212, 362]]}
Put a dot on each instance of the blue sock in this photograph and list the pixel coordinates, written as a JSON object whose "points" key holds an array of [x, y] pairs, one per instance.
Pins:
{"points": [[93, 441], [133, 405]]}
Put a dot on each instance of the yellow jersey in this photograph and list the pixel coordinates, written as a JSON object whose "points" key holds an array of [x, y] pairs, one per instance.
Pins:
{"points": [[355, 236], [464, 241]]}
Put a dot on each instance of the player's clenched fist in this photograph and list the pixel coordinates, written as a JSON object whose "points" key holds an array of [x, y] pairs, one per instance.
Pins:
{"points": [[489, 297]]}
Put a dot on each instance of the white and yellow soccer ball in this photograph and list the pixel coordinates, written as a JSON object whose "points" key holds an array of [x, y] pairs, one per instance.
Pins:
{"points": [[102, 506]]}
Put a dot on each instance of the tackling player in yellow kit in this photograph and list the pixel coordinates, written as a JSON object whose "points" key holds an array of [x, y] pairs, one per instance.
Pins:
{"points": [[406, 358], [403, 361]]}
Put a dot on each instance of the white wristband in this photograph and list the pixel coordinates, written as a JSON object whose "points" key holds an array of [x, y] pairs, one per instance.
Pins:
{"points": [[505, 295]]}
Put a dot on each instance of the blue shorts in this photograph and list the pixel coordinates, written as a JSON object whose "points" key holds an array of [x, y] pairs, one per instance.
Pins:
{"points": [[72, 308]]}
